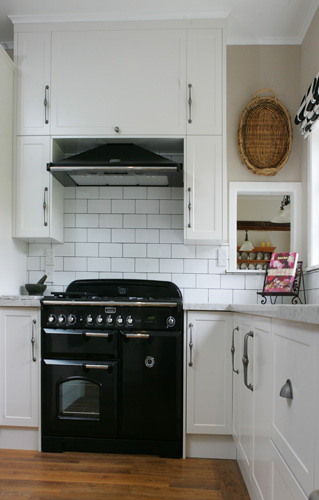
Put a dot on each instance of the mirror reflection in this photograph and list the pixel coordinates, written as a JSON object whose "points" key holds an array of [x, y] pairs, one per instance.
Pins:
{"points": [[263, 227]]}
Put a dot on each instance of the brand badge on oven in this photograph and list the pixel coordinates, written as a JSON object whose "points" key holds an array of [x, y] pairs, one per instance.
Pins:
{"points": [[149, 361]]}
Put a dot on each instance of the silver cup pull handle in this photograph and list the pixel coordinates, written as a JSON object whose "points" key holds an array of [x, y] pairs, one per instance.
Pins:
{"points": [[314, 495]]}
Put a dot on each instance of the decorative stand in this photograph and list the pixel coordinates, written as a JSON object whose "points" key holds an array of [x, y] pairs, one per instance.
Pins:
{"points": [[295, 292]]}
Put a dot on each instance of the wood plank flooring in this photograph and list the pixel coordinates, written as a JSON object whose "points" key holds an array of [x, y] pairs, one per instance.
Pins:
{"points": [[90, 476]]}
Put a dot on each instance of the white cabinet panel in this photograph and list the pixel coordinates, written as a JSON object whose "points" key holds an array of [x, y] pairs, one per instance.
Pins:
{"points": [[134, 80], [205, 81], [38, 197], [19, 367], [33, 59], [204, 196], [209, 376], [284, 485], [293, 427]]}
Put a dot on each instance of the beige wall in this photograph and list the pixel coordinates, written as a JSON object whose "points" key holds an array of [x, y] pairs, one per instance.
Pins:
{"points": [[249, 69]]}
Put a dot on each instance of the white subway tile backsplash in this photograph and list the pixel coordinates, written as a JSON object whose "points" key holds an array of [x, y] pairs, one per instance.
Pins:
{"points": [[123, 206], [99, 206], [147, 206], [123, 235], [99, 264], [110, 250], [122, 265], [147, 235], [110, 221], [198, 266], [87, 220], [134, 250], [111, 193], [171, 206], [134, 221], [183, 251], [135, 192], [159, 221], [75, 206], [171, 265], [137, 232], [232, 281], [87, 192], [147, 265], [76, 234], [74, 264], [99, 235], [208, 281], [159, 250], [86, 249], [169, 236]]}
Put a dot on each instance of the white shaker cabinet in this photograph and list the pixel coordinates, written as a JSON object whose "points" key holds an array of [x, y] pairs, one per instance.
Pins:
{"points": [[205, 77], [19, 353], [38, 206], [119, 82], [33, 60], [204, 197], [208, 373]]}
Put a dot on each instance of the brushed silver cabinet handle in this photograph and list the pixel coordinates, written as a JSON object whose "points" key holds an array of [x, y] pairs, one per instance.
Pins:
{"points": [[190, 101], [246, 360], [191, 345], [314, 495], [189, 206], [45, 206], [232, 350], [45, 102], [287, 391], [34, 322]]}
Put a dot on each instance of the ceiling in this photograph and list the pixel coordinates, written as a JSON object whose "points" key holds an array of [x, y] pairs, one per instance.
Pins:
{"points": [[249, 21]]}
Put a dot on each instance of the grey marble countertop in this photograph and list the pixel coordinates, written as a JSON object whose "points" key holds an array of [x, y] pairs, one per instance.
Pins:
{"points": [[293, 312], [20, 300]]}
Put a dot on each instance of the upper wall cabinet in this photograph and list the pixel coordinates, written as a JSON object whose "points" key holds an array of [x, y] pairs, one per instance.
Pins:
{"points": [[205, 81], [33, 59], [119, 82]]}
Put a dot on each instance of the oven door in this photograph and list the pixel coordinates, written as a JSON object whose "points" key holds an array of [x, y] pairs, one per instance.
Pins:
{"points": [[151, 396], [79, 398]]}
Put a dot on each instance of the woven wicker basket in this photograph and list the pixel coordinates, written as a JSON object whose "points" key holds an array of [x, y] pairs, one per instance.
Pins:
{"points": [[264, 134]]}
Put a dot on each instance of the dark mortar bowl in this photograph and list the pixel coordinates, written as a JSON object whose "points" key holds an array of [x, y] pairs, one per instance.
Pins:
{"points": [[35, 288]]}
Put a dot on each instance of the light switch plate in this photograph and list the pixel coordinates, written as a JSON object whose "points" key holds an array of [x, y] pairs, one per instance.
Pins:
{"points": [[222, 257]]}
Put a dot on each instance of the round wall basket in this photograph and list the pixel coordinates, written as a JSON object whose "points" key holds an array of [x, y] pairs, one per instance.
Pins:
{"points": [[264, 134]]}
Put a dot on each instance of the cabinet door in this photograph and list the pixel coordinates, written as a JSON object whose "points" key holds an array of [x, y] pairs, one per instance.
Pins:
{"points": [[208, 373], [119, 82], [204, 189], [205, 69], [293, 425], [243, 397], [33, 59], [19, 367], [38, 197]]}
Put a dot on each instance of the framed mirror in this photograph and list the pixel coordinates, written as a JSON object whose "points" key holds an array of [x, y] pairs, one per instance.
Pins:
{"points": [[254, 208]]}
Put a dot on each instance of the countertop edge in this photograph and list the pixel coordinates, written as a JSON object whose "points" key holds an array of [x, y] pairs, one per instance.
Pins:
{"points": [[20, 300]]}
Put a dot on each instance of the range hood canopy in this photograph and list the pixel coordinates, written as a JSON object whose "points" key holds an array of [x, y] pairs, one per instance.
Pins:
{"points": [[117, 164]]}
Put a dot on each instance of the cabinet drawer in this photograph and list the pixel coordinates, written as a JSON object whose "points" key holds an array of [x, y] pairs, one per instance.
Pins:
{"points": [[293, 425], [284, 485]]}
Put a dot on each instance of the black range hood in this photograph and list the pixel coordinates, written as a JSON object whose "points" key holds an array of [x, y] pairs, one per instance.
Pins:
{"points": [[117, 164]]}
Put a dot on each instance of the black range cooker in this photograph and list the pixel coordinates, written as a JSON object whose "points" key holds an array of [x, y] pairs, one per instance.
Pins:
{"points": [[112, 368]]}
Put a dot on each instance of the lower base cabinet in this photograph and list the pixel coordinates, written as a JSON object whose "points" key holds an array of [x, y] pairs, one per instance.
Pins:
{"points": [[274, 406], [208, 379], [19, 365]]}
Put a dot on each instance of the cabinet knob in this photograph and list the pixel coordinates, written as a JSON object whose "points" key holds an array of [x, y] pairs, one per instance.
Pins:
{"points": [[116, 129], [287, 392], [314, 495]]}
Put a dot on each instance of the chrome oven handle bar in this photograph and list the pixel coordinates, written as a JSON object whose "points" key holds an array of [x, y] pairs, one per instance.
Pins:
{"points": [[96, 367], [95, 334]]}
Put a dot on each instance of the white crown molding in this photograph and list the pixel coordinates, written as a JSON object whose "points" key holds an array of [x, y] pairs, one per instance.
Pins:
{"points": [[119, 16], [264, 41], [310, 14]]}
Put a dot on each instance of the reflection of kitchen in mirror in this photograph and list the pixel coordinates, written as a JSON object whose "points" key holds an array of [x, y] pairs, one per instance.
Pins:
{"points": [[263, 227]]}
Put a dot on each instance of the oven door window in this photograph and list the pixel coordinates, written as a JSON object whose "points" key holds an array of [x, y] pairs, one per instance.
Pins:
{"points": [[79, 398]]}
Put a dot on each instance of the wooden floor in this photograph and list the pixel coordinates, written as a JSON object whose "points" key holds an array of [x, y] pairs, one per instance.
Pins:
{"points": [[68, 476]]}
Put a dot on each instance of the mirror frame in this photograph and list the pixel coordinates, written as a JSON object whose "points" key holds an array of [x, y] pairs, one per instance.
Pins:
{"points": [[293, 189]]}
